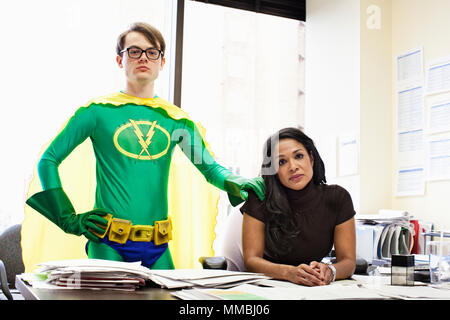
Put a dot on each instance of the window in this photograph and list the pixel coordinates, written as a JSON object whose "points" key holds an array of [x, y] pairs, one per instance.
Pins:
{"points": [[56, 56], [243, 79]]}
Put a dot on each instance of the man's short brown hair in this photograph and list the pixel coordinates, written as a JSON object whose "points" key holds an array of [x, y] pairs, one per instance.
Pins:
{"points": [[152, 34]]}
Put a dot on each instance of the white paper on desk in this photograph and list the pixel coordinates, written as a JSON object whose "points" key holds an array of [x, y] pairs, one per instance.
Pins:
{"points": [[254, 291], [297, 292], [329, 292], [182, 278], [275, 283], [94, 274], [170, 283], [411, 292], [107, 271], [410, 182], [94, 265], [227, 280], [379, 280], [393, 214], [193, 294], [438, 75], [55, 274], [192, 274]]}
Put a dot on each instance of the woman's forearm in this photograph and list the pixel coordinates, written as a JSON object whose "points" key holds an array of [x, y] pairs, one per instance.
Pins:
{"points": [[270, 269], [345, 268]]}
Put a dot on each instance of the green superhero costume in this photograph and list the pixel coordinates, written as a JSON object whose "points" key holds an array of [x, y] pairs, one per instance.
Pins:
{"points": [[133, 140]]}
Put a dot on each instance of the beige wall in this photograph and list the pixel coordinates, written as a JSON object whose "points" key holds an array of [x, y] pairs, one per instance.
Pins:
{"points": [[376, 105], [341, 40], [423, 23]]}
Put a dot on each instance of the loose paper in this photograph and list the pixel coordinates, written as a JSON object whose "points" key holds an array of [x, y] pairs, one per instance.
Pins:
{"points": [[439, 157], [411, 149], [410, 182], [348, 155], [410, 67], [438, 75], [438, 116], [410, 109]]}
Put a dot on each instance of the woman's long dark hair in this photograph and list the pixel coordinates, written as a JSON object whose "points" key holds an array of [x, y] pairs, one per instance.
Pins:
{"points": [[281, 224]]}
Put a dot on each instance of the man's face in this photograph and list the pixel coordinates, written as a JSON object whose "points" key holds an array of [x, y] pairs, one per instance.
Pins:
{"points": [[141, 69]]}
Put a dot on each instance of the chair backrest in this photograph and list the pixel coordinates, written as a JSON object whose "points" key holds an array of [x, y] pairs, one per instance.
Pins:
{"points": [[11, 253], [229, 243]]}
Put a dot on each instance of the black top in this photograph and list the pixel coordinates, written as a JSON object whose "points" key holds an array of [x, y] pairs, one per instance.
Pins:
{"points": [[318, 209]]}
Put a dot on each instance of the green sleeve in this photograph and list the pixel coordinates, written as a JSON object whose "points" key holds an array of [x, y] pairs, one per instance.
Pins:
{"points": [[77, 129], [193, 146]]}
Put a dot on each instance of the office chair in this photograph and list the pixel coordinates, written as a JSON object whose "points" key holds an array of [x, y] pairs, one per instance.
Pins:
{"points": [[11, 262], [229, 246]]}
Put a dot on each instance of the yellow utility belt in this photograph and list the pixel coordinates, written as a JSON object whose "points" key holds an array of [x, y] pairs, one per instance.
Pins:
{"points": [[121, 230]]}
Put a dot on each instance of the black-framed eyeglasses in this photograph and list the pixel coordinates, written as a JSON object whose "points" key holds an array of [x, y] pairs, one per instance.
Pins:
{"points": [[136, 53]]}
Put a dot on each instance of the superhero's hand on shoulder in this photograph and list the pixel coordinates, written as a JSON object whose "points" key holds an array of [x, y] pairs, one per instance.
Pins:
{"points": [[238, 187], [257, 185]]}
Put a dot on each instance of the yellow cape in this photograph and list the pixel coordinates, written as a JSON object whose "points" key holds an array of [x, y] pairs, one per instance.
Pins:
{"points": [[193, 210]]}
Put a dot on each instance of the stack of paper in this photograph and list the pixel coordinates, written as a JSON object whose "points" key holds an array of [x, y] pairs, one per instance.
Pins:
{"points": [[384, 216], [95, 274], [384, 234], [209, 278], [106, 274]]}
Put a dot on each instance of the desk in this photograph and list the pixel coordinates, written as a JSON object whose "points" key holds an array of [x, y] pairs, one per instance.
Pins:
{"points": [[30, 293], [342, 289]]}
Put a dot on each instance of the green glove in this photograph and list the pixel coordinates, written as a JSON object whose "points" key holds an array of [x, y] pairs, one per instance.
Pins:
{"points": [[237, 188], [56, 206]]}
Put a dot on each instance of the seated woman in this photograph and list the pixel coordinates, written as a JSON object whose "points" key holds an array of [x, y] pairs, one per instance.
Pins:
{"points": [[294, 228]]}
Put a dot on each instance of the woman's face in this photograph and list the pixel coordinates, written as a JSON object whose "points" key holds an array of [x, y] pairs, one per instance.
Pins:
{"points": [[295, 164]]}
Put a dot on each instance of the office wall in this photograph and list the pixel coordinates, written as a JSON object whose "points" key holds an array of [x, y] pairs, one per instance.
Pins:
{"points": [[332, 80], [349, 91], [376, 144], [350, 87], [423, 23]]}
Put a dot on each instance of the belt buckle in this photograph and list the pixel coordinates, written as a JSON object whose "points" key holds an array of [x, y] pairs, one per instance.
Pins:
{"points": [[119, 230], [141, 233]]}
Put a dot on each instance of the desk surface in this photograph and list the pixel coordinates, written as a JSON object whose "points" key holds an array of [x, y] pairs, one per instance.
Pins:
{"points": [[30, 293], [359, 288]]}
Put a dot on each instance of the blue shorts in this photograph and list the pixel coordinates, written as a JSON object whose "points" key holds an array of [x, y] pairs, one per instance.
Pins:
{"points": [[132, 251]]}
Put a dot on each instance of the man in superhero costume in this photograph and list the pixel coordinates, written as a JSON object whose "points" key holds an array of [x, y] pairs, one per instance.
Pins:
{"points": [[133, 133]]}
